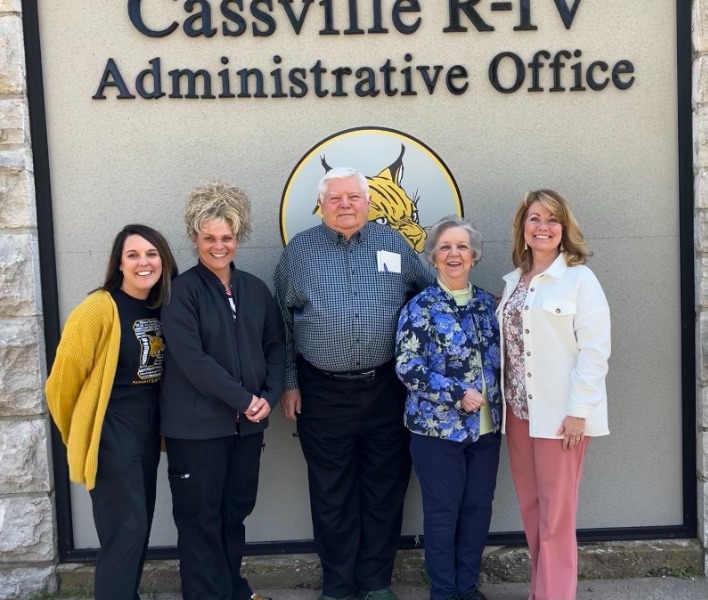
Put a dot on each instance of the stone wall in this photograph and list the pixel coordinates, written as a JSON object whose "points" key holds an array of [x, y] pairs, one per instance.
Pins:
{"points": [[27, 523], [699, 27]]}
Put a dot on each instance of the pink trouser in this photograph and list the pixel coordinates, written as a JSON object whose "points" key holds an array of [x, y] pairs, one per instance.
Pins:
{"points": [[547, 479]]}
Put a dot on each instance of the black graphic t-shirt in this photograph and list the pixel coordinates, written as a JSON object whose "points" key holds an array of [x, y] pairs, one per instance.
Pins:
{"points": [[141, 350]]}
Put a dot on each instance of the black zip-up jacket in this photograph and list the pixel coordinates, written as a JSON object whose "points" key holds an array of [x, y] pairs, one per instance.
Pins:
{"points": [[213, 364]]}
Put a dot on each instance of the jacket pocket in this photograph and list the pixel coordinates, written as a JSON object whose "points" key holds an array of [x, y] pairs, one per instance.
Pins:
{"points": [[561, 308]]}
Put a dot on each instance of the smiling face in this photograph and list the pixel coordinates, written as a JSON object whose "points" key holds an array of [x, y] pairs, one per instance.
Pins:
{"points": [[454, 258], [216, 245], [543, 232], [141, 266], [345, 206]]}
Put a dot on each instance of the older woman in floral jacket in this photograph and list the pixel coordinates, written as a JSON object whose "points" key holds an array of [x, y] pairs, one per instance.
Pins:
{"points": [[447, 356]]}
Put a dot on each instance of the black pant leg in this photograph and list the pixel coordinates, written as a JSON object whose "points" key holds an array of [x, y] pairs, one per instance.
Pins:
{"points": [[121, 499], [239, 500], [328, 429], [197, 471], [151, 461], [385, 467]]}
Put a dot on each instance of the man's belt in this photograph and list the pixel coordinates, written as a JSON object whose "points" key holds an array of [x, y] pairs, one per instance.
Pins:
{"points": [[354, 376]]}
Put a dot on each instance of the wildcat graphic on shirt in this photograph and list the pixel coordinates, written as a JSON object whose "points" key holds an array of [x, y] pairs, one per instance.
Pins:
{"points": [[152, 346]]}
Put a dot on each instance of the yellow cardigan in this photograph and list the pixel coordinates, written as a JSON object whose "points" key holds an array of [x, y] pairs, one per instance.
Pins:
{"points": [[81, 381]]}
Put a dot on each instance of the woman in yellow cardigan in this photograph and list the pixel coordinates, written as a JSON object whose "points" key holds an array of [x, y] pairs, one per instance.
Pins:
{"points": [[103, 396]]}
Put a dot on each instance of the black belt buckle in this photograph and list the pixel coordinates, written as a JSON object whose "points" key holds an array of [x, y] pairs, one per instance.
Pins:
{"points": [[362, 377]]}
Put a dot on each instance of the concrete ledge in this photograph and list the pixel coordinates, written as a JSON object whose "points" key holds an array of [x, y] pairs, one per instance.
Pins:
{"points": [[609, 560]]}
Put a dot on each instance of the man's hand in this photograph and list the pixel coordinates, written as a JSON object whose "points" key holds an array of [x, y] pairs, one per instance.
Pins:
{"points": [[292, 403]]}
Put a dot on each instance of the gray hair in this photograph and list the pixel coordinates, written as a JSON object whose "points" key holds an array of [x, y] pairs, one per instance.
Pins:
{"points": [[448, 223], [341, 173]]}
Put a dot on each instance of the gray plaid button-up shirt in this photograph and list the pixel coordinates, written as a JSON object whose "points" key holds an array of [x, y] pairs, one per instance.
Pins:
{"points": [[340, 310]]}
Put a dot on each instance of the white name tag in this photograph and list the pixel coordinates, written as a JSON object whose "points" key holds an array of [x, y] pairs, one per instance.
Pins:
{"points": [[388, 262]]}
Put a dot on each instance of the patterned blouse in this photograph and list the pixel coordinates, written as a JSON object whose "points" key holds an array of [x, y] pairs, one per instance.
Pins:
{"points": [[514, 381], [441, 350]]}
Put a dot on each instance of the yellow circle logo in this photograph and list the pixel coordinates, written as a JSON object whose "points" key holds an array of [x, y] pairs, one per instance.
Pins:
{"points": [[410, 186]]}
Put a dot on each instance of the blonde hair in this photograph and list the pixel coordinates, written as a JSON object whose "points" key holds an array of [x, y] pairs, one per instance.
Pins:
{"points": [[218, 201], [572, 240]]}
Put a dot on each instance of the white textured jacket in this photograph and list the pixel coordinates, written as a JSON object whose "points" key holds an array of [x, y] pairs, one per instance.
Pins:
{"points": [[566, 328]]}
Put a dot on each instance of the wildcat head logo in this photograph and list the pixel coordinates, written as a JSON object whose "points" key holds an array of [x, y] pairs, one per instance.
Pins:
{"points": [[389, 204], [408, 205]]}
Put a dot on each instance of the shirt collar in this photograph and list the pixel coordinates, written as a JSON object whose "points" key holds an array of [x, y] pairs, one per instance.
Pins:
{"points": [[555, 270], [557, 267], [337, 238]]}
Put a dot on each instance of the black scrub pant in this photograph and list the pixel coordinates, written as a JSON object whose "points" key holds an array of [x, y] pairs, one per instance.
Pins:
{"points": [[124, 496], [214, 484], [358, 465]]}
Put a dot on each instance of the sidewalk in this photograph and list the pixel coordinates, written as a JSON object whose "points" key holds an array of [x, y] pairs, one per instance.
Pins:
{"points": [[650, 588]]}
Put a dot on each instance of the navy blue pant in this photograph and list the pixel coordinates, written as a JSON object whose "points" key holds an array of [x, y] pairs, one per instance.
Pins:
{"points": [[214, 485], [457, 481], [123, 499], [358, 466]]}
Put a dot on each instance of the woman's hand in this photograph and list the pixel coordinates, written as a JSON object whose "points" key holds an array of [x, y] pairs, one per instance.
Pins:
{"points": [[259, 409], [471, 401], [573, 430]]}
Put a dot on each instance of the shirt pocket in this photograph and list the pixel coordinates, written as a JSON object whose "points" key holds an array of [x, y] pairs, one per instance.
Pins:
{"points": [[561, 308]]}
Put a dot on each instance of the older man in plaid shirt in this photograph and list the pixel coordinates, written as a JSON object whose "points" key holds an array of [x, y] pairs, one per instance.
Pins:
{"points": [[340, 287]]}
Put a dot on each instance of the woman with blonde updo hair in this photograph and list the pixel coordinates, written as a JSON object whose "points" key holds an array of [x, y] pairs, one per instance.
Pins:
{"points": [[555, 325], [223, 374]]}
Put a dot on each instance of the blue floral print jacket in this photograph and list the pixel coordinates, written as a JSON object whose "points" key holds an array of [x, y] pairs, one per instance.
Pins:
{"points": [[441, 350]]}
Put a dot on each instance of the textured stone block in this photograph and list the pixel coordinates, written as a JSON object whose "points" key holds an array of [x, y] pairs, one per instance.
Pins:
{"points": [[12, 55], [24, 453], [702, 454], [10, 6], [17, 205], [700, 81], [700, 271], [703, 513], [19, 277], [701, 406], [15, 159], [13, 123], [700, 189], [21, 390], [702, 347], [701, 230], [26, 529], [27, 582], [699, 26], [700, 137]]}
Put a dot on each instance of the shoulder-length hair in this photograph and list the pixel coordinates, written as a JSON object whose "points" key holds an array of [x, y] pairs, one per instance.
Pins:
{"points": [[160, 292], [573, 242]]}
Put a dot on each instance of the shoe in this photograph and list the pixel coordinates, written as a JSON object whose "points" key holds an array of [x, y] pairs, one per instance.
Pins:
{"points": [[382, 594], [475, 594], [255, 596]]}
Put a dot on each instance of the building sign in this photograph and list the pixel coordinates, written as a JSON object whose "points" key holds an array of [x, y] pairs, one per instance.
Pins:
{"points": [[447, 107], [231, 22]]}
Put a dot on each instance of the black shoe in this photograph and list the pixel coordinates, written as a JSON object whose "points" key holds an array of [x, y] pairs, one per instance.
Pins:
{"points": [[475, 594]]}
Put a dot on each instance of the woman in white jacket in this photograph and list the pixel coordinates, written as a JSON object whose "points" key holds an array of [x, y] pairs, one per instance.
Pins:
{"points": [[555, 345]]}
